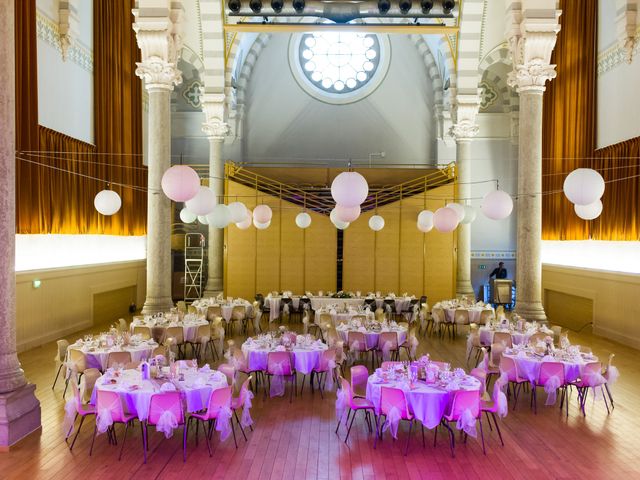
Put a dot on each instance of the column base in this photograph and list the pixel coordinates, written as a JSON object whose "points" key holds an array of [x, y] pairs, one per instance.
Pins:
{"points": [[531, 311], [157, 305], [465, 289], [19, 415], [213, 288], [211, 292]]}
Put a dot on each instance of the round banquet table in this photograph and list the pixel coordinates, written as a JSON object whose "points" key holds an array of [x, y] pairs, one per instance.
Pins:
{"points": [[305, 359], [136, 393], [474, 313], [528, 364], [337, 318], [98, 357], [227, 310], [428, 402], [372, 337], [189, 328]]}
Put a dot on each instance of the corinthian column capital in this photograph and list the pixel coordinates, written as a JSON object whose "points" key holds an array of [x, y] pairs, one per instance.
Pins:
{"points": [[213, 106], [465, 110]]}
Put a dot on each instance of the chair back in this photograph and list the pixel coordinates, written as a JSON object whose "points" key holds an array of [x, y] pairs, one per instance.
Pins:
{"points": [[390, 339], [239, 312], [423, 299], [220, 398], [486, 315], [176, 333], [438, 315], [279, 363], [78, 359], [326, 357], [290, 337], [345, 387], [461, 316], [326, 318], [359, 377], [497, 349], [509, 366], [503, 338], [465, 400], [229, 372], [339, 348], [480, 375], [121, 358], [106, 400], [393, 398], [240, 361], [122, 325], [182, 306], [214, 311], [165, 402], [591, 374], [63, 346], [161, 350], [144, 332], [360, 318], [88, 382], [535, 338], [243, 390], [551, 369], [203, 333], [357, 340]]}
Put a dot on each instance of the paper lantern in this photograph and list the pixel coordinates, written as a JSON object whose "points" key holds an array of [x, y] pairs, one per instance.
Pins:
{"points": [[180, 183], [262, 214], [425, 218], [340, 225], [347, 214], [583, 186], [220, 217], [203, 219], [469, 214], [497, 205], [425, 228], [247, 222], [238, 212], [376, 223], [349, 189], [459, 209], [303, 220], [107, 202], [202, 204], [445, 220], [187, 217], [261, 225], [589, 212]]}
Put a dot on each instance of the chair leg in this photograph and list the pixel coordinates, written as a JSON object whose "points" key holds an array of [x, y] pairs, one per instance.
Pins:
{"points": [[406, 448], [353, 417], [95, 430], [233, 430], [452, 440], [77, 433], [606, 386], [435, 436], [495, 420], [484, 451], [207, 435], [145, 444], [422, 425], [303, 379], [57, 374], [235, 413], [185, 432], [124, 439]]}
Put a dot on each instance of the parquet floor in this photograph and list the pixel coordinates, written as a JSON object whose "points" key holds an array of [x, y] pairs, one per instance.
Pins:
{"points": [[298, 441]]}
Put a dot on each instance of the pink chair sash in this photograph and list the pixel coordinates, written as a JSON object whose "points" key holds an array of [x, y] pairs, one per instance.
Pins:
{"points": [[392, 421], [551, 386], [167, 423], [277, 381], [245, 419], [467, 423]]}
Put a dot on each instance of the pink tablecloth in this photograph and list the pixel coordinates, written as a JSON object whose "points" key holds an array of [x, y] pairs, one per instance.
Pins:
{"points": [[304, 359], [427, 402], [373, 337]]}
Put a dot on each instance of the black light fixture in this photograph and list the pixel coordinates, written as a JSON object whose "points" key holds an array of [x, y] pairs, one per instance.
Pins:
{"points": [[255, 5], [405, 6], [298, 5], [426, 5], [277, 5], [234, 5], [384, 6], [447, 6]]}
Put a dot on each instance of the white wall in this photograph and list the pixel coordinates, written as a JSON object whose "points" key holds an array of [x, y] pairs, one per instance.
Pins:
{"points": [[617, 85], [283, 122], [65, 88], [63, 304]]}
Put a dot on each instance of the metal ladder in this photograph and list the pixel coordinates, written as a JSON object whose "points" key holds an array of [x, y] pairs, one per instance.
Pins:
{"points": [[194, 244]]}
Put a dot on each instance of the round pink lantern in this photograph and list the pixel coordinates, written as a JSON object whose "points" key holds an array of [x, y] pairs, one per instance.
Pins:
{"points": [[203, 203], [349, 189], [180, 183], [262, 214], [347, 214], [445, 220]]}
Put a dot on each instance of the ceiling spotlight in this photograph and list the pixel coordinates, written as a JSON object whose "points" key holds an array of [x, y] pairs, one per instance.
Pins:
{"points": [[255, 5], [384, 6], [234, 5], [298, 5], [277, 5], [405, 6], [426, 5], [447, 6]]}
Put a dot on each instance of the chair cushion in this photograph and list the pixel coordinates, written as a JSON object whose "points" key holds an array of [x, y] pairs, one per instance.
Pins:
{"points": [[359, 402]]}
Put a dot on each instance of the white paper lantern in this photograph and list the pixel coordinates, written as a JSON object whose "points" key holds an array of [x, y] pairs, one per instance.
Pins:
{"points": [[238, 212], [349, 189], [459, 209], [107, 202], [425, 218], [247, 222], [376, 223], [203, 219], [261, 225], [187, 217], [180, 183], [220, 217], [583, 186], [445, 220], [497, 205], [262, 214], [303, 220], [340, 225], [470, 214], [589, 212], [202, 204], [425, 228], [347, 214]]}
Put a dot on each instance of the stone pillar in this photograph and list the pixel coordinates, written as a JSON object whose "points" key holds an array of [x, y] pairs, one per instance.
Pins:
{"points": [[19, 407], [160, 43], [531, 40], [216, 129], [465, 128]]}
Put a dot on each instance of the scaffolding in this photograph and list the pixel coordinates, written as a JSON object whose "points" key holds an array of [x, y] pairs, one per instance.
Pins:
{"points": [[194, 244]]}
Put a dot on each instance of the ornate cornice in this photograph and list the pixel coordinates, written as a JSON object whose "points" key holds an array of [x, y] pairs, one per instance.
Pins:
{"points": [[465, 110], [617, 54], [213, 106], [49, 31]]}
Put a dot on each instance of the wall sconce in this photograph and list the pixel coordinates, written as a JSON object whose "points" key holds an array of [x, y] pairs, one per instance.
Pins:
{"points": [[37, 283]]}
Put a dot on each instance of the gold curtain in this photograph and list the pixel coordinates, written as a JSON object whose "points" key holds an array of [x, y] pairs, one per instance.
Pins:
{"points": [[568, 127]]}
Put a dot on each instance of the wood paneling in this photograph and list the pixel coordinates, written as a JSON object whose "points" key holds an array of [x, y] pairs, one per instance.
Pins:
{"points": [[113, 304], [570, 311], [357, 253]]}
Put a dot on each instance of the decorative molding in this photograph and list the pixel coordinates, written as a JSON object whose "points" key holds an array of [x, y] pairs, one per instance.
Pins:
{"points": [[488, 95], [465, 110], [626, 24], [491, 254], [616, 55], [213, 106], [49, 31], [192, 94]]}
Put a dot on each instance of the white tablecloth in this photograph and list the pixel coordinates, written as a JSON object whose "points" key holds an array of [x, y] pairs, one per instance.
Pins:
{"points": [[371, 337], [98, 357], [189, 329], [195, 390], [474, 313], [529, 365], [304, 359], [486, 336], [428, 403]]}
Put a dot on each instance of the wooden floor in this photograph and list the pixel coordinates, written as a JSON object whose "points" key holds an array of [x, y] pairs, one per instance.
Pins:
{"points": [[298, 441]]}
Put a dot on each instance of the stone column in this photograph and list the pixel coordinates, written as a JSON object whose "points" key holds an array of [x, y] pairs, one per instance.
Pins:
{"points": [[465, 128], [160, 43], [216, 129], [19, 407], [531, 40]]}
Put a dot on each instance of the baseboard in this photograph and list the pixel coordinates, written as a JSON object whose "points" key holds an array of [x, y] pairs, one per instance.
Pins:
{"points": [[633, 342], [52, 335]]}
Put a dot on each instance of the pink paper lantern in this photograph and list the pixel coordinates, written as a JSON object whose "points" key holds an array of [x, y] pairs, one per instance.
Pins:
{"points": [[180, 183], [347, 214], [445, 220], [349, 189], [262, 214]]}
